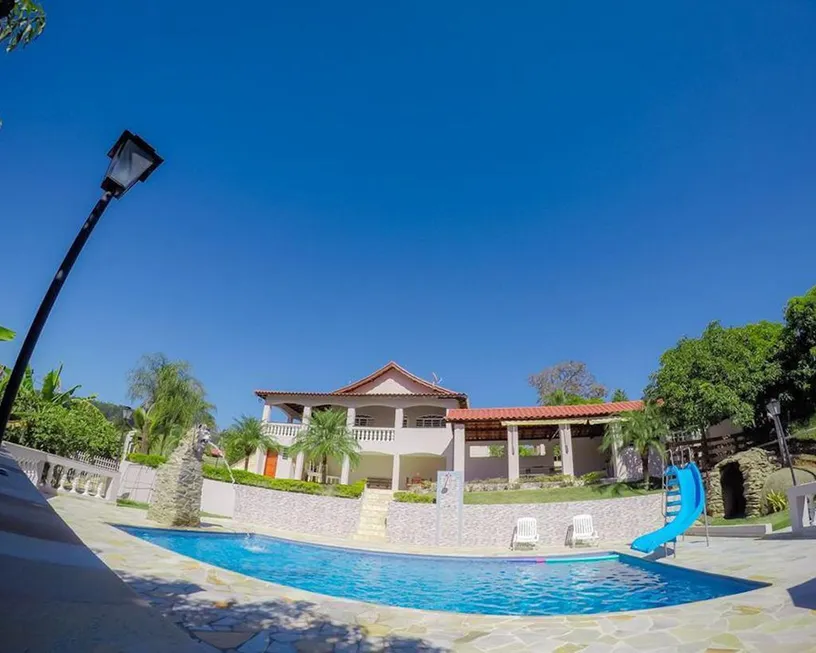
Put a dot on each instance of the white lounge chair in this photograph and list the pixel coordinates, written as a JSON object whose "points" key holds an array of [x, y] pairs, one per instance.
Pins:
{"points": [[583, 531], [526, 532]]}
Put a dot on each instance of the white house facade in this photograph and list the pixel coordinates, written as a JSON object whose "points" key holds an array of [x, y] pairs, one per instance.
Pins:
{"points": [[409, 429]]}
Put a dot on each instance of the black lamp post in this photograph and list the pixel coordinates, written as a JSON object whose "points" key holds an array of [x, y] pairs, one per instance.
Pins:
{"points": [[774, 411], [132, 160]]}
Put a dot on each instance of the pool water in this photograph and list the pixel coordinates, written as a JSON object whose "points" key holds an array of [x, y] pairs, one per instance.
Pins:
{"points": [[497, 586]]}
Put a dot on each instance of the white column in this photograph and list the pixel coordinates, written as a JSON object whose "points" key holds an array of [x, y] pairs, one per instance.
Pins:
{"points": [[395, 473], [351, 414], [512, 453], [399, 416], [307, 417], [565, 437], [260, 461], [267, 412], [345, 470], [459, 448], [617, 466]]}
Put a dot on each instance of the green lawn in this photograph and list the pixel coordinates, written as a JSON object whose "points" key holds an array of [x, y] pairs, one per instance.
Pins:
{"points": [[141, 505], [777, 520], [553, 495]]}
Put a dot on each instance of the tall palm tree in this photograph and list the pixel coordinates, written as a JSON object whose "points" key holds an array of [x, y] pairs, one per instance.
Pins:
{"points": [[327, 436], [644, 430], [244, 437]]}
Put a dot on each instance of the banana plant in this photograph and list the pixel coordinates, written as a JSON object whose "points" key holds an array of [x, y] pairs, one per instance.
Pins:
{"points": [[52, 392]]}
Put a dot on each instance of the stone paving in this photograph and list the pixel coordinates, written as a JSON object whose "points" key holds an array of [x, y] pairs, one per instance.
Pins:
{"points": [[235, 613]]}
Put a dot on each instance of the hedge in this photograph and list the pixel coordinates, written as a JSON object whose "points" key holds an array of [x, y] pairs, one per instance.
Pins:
{"points": [[242, 477], [413, 497], [148, 460]]}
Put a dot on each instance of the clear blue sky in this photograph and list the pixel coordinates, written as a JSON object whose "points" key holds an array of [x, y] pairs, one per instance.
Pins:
{"points": [[467, 188]]}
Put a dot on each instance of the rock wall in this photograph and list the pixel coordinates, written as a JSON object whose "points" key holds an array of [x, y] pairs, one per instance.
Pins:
{"points": [[616, 520], [756, 466], [290, 511], [177, 492]]}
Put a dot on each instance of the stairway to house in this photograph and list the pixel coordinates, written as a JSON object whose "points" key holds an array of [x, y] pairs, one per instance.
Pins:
{"points": [[372, 515]]}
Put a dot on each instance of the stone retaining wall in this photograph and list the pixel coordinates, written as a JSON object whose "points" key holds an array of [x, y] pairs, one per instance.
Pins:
{"points": [[303, 513], [616, 520]]}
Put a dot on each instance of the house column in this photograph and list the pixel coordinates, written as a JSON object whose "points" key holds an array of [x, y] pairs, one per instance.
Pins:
{"points": [[267, 412], [459, 448], [512, 453], [565, 438], [307, 417], [395, 473], [345, 470], [399, 415], [617, 464], [351, 415]]}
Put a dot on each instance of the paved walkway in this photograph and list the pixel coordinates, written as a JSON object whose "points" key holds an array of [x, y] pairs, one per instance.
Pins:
{"points": [[232, 612]]}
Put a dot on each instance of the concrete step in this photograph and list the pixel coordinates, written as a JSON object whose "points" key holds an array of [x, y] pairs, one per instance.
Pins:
{"points": [[359, 537]]}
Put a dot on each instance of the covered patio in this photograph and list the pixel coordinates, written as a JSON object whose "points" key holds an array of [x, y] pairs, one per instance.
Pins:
{"points": [[537, 440]]}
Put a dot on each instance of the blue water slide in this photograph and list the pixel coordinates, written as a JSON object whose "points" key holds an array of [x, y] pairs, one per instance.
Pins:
{"points": [[685, 500]]}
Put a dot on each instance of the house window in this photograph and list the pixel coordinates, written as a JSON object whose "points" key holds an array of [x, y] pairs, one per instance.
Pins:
{"points": [[430, 422], [363, 420]]}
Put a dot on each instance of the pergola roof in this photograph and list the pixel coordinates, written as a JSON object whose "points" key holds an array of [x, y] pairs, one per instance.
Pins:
{"points": [[542, 412]]}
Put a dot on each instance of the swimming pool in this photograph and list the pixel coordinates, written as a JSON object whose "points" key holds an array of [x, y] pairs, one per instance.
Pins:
{"points": [[497, 586]]}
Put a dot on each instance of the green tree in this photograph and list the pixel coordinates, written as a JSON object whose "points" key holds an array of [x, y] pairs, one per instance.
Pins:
{"points": [[6, 334], [567, 383], [725, 373], [797, 356], [327, 436], [21, 21], [619, 395], [243, 438], [644, 430], [52, 392], [174, 399]]}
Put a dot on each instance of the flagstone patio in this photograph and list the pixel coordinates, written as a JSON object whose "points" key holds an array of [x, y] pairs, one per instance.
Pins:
{"points": [[235, 613]]}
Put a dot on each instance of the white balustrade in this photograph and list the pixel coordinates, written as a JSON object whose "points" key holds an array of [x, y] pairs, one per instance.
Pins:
{"points": [[281, 430], [373, 434], [93, 479]]}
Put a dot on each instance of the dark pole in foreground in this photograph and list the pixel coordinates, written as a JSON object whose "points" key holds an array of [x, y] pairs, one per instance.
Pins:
{"points": [[47, 304], [132, 160]]}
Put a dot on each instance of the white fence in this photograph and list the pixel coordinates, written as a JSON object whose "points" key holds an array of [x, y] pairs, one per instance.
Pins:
{"points": [[51, 473], [373, 434]]}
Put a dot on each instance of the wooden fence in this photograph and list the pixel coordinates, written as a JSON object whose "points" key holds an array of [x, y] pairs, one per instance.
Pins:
{"points": [[707, 451]]}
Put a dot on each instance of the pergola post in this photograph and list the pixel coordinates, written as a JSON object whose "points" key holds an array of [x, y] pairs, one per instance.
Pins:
{"points": [[512, 453], [459, 448], [565, 440]]}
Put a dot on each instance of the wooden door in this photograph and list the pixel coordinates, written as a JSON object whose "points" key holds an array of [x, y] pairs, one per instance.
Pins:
{"points": [[271, 464]]}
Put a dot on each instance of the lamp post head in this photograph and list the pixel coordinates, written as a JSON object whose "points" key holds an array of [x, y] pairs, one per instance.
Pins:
{"points": [[132, 160], [127, 413], [774, 408]]}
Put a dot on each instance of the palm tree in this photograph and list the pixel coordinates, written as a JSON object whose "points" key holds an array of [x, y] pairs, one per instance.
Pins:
{"points": [[244, 437], [327, 436], [644, 430]]}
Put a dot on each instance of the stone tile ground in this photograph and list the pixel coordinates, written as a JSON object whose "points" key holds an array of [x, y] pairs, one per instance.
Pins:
{"points": [[235, 613]]}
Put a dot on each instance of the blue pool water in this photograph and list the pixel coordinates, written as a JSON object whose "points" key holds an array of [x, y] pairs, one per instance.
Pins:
{"points": [[498, 586]]}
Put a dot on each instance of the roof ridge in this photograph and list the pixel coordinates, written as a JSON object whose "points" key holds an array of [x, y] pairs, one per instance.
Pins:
{"points": [[393, 365]]}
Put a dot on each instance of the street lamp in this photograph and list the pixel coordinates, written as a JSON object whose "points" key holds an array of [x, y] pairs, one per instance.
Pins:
{"points": [[774, 411], [132, 160]]}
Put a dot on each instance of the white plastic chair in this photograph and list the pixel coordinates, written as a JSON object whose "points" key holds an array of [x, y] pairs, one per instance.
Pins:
{"points": [[583, 530], [526, 532]]}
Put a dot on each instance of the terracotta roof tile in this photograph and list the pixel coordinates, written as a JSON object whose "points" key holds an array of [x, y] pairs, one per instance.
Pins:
{"points": [[541, 412]]}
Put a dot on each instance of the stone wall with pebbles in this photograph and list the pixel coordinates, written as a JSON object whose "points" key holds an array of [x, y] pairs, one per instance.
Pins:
{"points": [[616, 520], [289, 511]]}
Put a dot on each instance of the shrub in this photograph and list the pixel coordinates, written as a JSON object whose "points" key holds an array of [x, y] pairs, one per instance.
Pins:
{"points": [[776, 501], [258, 480], [148, 460], [353, 491], [413, 497], [591, 478]]}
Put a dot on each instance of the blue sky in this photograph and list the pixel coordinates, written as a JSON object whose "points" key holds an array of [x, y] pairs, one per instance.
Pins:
{"points": [[469, 189]]}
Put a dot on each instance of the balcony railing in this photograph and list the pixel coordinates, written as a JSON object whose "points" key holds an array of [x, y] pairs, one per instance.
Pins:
{"points": [[373, 434], [280, 430]]}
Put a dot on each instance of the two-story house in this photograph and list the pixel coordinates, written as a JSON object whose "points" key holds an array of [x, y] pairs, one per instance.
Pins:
{"points": [[409, 429]]}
